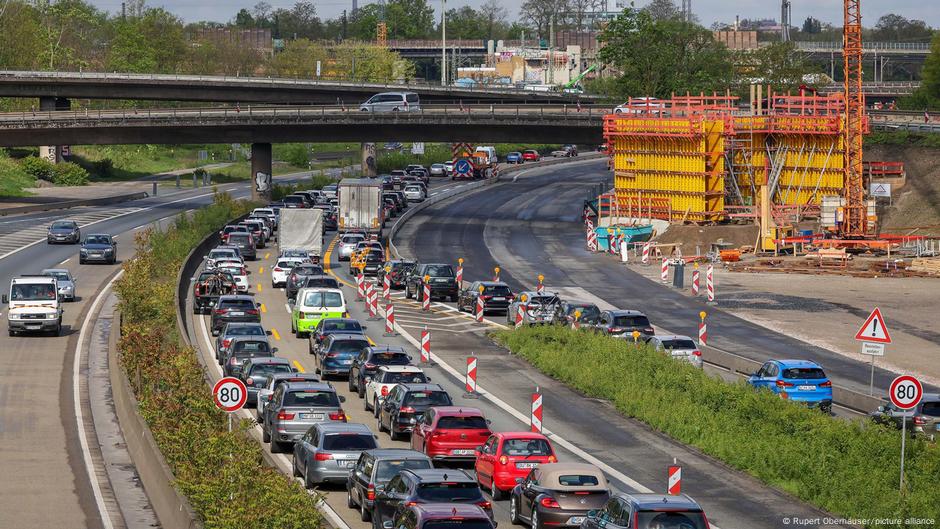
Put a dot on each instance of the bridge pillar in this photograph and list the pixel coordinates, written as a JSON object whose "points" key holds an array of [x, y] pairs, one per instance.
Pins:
{"points": [[261, 172], [53, 153], [369, 165]]}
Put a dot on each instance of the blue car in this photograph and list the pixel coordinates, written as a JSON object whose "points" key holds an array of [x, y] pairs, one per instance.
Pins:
{"points": [[514, 157], [796, 380]]}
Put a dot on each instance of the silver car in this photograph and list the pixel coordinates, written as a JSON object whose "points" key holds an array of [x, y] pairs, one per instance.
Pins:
{"points": [[266, 389], [294, 408], [392, 102], [679, 347], [347, 244], [539, 308], [415, 193], [437, 169], [328, 451], [65, 282], [222, 253]]}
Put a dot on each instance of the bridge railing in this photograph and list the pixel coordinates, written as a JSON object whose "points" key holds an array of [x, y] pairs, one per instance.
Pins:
{"points": [[867, 47]]}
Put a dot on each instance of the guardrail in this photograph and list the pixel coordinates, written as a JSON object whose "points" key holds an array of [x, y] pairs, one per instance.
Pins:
{"points": [[867, 47]]}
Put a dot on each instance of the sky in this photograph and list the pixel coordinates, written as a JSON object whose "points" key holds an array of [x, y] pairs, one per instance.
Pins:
{"points": [[708, 11]]}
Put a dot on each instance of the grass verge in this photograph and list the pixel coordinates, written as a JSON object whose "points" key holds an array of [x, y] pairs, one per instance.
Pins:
{"points": [[13, 178], [849, 468], [221, 473]]}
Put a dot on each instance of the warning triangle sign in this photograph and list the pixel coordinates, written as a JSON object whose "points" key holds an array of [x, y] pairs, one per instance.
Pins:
{"points": [[874, 329]]}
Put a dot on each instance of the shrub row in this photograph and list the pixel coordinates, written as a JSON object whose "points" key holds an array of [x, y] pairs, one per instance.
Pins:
{"points": [[221, 473], [63, 174], [850, 468], [280, 191]]}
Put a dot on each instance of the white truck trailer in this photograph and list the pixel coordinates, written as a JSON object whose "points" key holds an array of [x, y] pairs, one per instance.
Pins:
{"points": [[301, 229], [361, 207]]}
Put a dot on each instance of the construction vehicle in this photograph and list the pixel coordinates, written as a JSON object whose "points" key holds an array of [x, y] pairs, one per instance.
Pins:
{"points": [[574, 85]]}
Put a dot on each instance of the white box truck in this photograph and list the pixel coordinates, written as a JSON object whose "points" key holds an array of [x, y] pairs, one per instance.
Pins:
{"points": [[35, 306], [301, 229], [361, 207]]}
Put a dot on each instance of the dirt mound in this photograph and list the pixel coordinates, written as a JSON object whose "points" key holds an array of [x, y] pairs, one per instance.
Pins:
{"points": [[915, 207], [703, 236]]}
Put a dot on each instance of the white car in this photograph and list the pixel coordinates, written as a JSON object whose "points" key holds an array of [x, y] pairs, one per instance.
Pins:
{"points": [[437, 169], [266, 212], [415, 193], [238, 273], [222, 254], [641, 105], [282, 269], [347, 243], [679, 347], [386, 378], [449, 168]]}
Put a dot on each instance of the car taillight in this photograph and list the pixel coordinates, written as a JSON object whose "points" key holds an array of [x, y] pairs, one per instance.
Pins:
{"points": [[411, 504], [503, 460], [696, 353], [549, 503], [323, 456], [552, 459], [784, 384], [384, 391], [253, 312], [614, 329], [226, 342], [284, 416], [332, 355], [220, 311], [920, 421], [370, 492], [485, 504], [486, 296], [338, 416], [369, 365], [826, 384], [278, 269], [250, 382], [649, 330], [407, 409]]}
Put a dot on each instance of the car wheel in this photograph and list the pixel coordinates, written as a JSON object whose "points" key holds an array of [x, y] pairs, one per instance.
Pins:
{"points": [[391, 431], [296, 471], [514, 510], [365, 405], [265, 435], [494, 490], [407, 292], [12, 332], [81, 261], [534, 521], [378, 423], [307, 483], [454, 298], [375, 408], [349, 499], [351, 386], [364, 513], [361, 390], [277, 447]]}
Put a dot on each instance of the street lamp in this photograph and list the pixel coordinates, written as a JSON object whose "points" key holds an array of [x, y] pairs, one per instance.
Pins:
{"points": [[443, 42]]}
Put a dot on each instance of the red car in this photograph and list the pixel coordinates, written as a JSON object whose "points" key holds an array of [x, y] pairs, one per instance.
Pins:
{"points": [[530, 156], [508, 456], [451, 433]]}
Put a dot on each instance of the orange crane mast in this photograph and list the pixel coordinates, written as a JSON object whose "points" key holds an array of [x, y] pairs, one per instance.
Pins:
{"points": [[855, 218]]}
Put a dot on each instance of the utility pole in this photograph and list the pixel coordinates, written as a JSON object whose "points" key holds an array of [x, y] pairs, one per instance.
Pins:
{"points": [[123, 12], [443, 42], [785, 21], [355, 7], [551, 50], [343, 34]]}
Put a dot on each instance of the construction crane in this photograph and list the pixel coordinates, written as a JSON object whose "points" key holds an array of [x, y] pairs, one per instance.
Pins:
{"points": [[855, 210], [785, 21]]}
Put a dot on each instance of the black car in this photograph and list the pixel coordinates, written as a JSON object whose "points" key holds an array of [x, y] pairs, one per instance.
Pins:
{"points": [[412, 487], [336, 354], [245, 348], [399, 205], [589, 312], [66, 231], [330, 222], [245, 242], [294, 202], [374, 469], [398, 270], [308, 200], [368, 361], [622, 323], [328, 326], [234, 308], [296, 275], [405, 406], [442, 278], [373, 263], [254, 372], [323, 281], [496, 296], [443, 516], [99, 247], [230, 331]]}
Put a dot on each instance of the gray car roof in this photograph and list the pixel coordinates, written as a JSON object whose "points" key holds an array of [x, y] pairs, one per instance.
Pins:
{"points": [[342, 427], [657, 501], [396, 453], [269, 360], [319, 386]]}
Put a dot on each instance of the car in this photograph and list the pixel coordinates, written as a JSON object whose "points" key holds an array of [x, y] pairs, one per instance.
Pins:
{"points": [[587, 313], [231, 330], [256, 369], [294, 202], [318, 282], [296, 276], [314, 304], [230, 229], [437, 169], [330, 219], [509, 456], [347, 244], [256, 229], [531, 156], [385, 378], [208, 287], [281, 268], [65, 282], [328, 451], [267, 225], [269, 213], [233, 308], [308, 200], [427, 486], [63, 231], [560, 153], [495, 294], [679, 347], [237, 271], [271, 382], [642, 106], [245, 242], [336, 355], [397, 270], [405, 406], [329, 190], [400, 205], [415, 193], [558, 495], [296, 406], [398, 176], [539, 308], [571, 148], [442, 280], [222, 253], [367, 363], [449, 167], [514, 157], [372, 472], [796, 380], [451, 433], [389, 208], [623, 323], [392, 102], [647, 511], [922, 420], [243, 348], [372, 264], [369, 253], [328, 326], [99, 247]]}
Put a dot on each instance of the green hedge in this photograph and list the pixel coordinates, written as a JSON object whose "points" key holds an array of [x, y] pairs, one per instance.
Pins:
{"points": [[280, 191], [849, 468], [221, 473]]}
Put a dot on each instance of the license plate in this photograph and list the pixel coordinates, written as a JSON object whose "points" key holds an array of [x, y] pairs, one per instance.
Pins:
{"points": [[33, 327], [575, 520], [806, 388], [313, 416], [346, 362], [351, 465], [462, 452], [237, 313], [499, 299], [526, 465]]}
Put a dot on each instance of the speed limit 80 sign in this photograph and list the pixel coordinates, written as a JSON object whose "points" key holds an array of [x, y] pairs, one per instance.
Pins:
{"points": [[905, 392], [230, 394]]}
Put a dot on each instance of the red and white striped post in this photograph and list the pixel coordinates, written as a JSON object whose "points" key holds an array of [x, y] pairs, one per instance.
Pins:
{"points": [[360, 288], [367, 290], [425, 346], [592, 240], [471, 380], [460, 273], [373, 303], [702, 331], [535, 418], [664, 272], [646, 253], [495, 274], [710, 283], [520, 315], [695, 280], [539, 288], [479, 312], [426, 294], [389, 320], [674, 486], [624, 250], [387, 286]]}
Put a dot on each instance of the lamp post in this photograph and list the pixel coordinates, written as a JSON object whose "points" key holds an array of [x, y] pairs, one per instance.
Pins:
{"points": [[443, 42]]}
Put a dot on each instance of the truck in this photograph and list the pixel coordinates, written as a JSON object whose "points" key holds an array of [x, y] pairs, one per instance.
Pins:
{"points": [[34, 305], [301, 229], [361, 207], [481, 166]]}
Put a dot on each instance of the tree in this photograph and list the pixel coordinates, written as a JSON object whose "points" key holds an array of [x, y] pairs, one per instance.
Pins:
{"points": [[778, 64], [243, 19], [494, 16], [662, 10], [261, 13], [896, 28], [811, 25], [298, 59], [928, 95], [542, 13], [405, 19], [466, 23], [19, 42], [579, 11], [67, 31], [300, 21]]}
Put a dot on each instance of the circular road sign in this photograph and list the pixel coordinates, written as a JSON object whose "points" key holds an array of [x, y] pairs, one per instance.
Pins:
{"points": [[905, 392], [230, 394], [463, 167]]}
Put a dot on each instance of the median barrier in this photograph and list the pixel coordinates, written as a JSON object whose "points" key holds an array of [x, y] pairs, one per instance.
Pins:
{"points": [[66, 204]]}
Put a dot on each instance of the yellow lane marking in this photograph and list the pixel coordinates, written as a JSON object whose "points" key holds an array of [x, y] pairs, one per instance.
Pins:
{"points": [[259, 287], [276, 335], [260, 269], [326, 264], [264, 310], [266, 256], [299, 367], [370, 340]]}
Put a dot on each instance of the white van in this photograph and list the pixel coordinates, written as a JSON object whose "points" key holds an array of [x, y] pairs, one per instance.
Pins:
{"points": [[392, 102], [490, 153], [34, 305]]}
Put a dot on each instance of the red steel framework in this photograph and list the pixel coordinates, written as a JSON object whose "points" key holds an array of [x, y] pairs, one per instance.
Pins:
{"points": [[855, 218]]}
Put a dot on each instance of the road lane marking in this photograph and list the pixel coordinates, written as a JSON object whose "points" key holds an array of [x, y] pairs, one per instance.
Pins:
{"points": [[287, 308], [259, 287], [266, 255], [66, 260], [261, 269], [369, 338], [264, 310], [299, 367], [275, 333]]}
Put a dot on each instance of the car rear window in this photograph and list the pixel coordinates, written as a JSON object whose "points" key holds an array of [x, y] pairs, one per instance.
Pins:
{"points": [[439, 271], [245, 304], [389, 468], [458, 523], [311, 397], [251, 346], [238, 238], [234, 270], [345, 441], [218, 254], [804, 372], [288, 264], [292, 199], [499, 290], [352, 238], [671, 520], [678, 344], [404, 378], [591, 312], [244, 330], [577, 480], [342, 325], [348, 346], [931, 408], [449, 491], [412, 98], [462, 423], [267, 369], [526, 447], [321, 282], [543, 300], [375, 257], [390, 359], [413, 188], [323, 299], [308, 270], [631, 321], [427, 398]]}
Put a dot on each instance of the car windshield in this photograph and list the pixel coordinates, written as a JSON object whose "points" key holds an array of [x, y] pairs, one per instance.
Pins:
{"points": [[348, 346], [498, 290], [439, 271], [631, 321], [63, 225], [387, 469], [267, 369], [345, 442], [678, 343], [458, 523], [804, 372], [427, 398], [526, 447], [670, 520], [236, 304], [392, 377], [342, 326], [61, 276], [244, 330], [323, 299], [234, 270], [251, 346], [43, 292], [97, 239], [577, 480], [374, 257], [390, 359], [462, 423], [931, 408], [449, 491], [311, 397]]}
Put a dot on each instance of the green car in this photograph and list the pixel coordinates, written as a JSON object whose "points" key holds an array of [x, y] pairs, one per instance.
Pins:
{"points": [[314, 304]]}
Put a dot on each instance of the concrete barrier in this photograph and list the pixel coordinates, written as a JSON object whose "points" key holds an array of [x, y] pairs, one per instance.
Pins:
{"points": [[66, 204]]}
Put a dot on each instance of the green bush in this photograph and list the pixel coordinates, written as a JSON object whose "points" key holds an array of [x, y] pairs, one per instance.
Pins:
{"points": [[13, 178], [849, 468], [221, 473], [292, 153], [69, 174], [280, 191], [38, 168]]}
